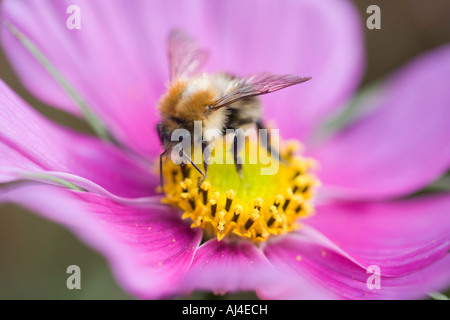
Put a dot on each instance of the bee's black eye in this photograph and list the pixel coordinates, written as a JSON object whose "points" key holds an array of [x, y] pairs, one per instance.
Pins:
{"points": [[178, 121]]}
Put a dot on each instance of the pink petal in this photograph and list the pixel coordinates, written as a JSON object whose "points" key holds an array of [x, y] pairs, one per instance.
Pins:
{"points": [[321, 39], [150, 250], [401, 237], [227, 267], [30, 144], [330, 275], [403, 145], [117, 60], [408, 240]]}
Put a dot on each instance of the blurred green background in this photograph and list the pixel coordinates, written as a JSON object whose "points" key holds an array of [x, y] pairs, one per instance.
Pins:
{"points": [[34, 253]]}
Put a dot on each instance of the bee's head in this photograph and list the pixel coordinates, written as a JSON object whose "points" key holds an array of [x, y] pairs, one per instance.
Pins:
{"points": [[172, 130]]}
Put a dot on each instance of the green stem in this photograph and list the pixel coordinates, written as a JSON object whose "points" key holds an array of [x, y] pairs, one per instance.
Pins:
{"points": [[62, 182], [438, 296], [90, 117]]}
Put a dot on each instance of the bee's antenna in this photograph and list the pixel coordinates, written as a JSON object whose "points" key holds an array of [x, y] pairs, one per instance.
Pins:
{"points": [[193, 164], [161, 169]]}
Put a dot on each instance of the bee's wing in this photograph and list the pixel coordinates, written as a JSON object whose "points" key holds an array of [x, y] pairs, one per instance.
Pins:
{"points": [[185, 56], [256, 85]]}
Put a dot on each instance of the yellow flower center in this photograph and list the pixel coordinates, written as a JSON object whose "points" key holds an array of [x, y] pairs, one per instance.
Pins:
{"points": [[255, 205]]}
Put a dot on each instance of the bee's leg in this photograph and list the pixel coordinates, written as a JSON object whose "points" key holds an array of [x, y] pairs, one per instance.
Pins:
{"points": [[161, 180], [205, 160], [267, 143], [236, 158], [184, 171], [205, 164]]}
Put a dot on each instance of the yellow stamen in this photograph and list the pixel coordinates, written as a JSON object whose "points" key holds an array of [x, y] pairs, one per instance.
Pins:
{"points": [[237, 212], [258, 203], [256, 206]]}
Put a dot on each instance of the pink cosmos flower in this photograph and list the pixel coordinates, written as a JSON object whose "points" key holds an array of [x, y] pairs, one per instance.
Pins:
{"points": [[117, 63]]}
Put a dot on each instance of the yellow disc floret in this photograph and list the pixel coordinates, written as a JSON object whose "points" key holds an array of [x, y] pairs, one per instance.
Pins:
{"points": [[254, 205]]}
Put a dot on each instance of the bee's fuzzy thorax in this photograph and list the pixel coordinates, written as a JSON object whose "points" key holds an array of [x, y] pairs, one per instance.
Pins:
{"points": [[188, 99], [172, 96]]}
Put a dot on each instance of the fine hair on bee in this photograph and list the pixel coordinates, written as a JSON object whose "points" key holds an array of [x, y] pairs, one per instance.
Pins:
{"points": [[219, 100]]}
